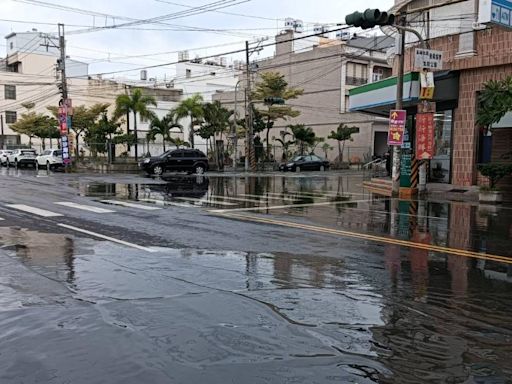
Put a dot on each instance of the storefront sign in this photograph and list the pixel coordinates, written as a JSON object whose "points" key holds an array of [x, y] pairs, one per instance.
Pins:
{"points": [[424, 136], [64, 145], [397, 120], [428, 59], [427, 85], [497, 12]]}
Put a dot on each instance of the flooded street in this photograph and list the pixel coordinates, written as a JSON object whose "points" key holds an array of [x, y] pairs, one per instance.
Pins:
{"points": [[276, 280]]}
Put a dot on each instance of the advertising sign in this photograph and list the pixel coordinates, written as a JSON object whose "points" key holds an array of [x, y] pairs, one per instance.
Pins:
{"points": [[427, 85], [428, 59], [397, 119], [424, 136], [496, 12]]}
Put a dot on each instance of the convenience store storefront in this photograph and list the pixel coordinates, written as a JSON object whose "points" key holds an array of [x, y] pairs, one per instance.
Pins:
{"points": [[379, 98]]}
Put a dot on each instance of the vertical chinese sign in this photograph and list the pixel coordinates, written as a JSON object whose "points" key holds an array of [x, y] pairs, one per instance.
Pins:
{"points": [[424, 136], [65, 112], [397, 120]]}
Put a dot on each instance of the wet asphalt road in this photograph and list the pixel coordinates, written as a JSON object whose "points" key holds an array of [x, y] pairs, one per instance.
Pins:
{"points": [[230, 279]]}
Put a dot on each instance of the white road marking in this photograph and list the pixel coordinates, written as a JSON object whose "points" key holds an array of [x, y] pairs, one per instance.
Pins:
{"points": [[172, 203], [35, 211], [130, 205], [297, 195], [237, 199], [84, 207], [99, 235], [204, 201], [264, 196], [288, 206]]}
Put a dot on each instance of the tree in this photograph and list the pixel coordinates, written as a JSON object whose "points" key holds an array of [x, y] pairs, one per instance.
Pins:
{"points": [[326, 148], [303, 136], [495, 172], [162, 127], [136, 103], [342, 134], [494, 101], [216, 117], [34, 124], [82, 120], [193, 109], [101, 132], [285, 144], [273, 84], [178, 142]]}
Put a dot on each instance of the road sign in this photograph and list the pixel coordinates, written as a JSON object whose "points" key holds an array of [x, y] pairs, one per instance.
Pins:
{"points": [[428, 58], [397, 120], [497, 12], [424, 136]]}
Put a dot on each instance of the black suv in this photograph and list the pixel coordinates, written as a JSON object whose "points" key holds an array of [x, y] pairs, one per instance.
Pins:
{"points": [[178, 160]]}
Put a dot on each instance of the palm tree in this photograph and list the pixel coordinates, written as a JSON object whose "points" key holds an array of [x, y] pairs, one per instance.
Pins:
{"points": [[179, 142], [342, 134], [162, 127], [193, 109], [136, 103], [303, 135]]}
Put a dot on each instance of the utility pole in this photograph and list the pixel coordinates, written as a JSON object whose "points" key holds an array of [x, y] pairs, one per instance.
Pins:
{"points": [[62, 64], [395, 174], [65, 110], [2, 127], [250, 161]]}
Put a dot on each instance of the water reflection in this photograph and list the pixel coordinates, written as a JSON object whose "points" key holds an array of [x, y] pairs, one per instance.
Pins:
{"points": [[48, 253]]}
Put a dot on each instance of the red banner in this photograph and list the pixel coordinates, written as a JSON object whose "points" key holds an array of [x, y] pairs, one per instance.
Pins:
{"points": [[424, 136]]}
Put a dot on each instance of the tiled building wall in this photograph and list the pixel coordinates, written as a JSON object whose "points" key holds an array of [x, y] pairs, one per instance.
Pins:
{"points": [[492, 60]]}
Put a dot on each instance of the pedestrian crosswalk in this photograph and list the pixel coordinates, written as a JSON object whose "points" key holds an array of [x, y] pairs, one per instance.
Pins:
{"points": [[131, 205], [33, 210], [89, 208], [213, 202]]}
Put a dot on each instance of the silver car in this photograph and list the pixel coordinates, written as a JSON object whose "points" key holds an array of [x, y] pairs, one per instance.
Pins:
{"points": [[3, 156]]}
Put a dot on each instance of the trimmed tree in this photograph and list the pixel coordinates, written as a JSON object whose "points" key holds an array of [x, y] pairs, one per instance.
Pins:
{"points": [[273, 84]]}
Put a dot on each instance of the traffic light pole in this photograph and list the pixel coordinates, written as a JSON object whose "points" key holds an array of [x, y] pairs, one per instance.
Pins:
{"points": [[395, 174], [250, 159]]}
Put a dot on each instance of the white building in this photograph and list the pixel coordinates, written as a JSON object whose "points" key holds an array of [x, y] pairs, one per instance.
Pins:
{"points": [[28, 74]]}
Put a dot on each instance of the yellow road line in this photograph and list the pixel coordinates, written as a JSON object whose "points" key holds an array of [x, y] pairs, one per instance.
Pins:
{"points": [[364, 236]]}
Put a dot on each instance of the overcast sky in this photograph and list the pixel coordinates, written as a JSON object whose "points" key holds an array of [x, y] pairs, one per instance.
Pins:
{"points": [[253, 19]]}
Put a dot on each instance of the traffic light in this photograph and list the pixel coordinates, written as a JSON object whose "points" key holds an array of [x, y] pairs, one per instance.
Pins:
{"points": [[274, 100], [370, 18]]}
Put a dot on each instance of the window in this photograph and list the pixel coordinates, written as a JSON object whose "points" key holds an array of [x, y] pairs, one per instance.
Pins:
{"points": [[315, 158], [188, 73], [57, 153], [357, 74], [10, 92], [47, 152], [11, 45], [190, 154], [10, 117]]}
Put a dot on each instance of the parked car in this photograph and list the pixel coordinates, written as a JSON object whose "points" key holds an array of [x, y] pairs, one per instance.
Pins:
{"points": [[305, 163], [178, 160], [50, 159], [22, 157], [3, 156]]}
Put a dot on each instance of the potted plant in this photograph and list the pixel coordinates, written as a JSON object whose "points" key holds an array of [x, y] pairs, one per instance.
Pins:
{"points": [[494, 172]]}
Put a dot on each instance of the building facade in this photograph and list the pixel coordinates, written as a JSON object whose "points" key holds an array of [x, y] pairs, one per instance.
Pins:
{"points": [[473, 54], [325, 70]]}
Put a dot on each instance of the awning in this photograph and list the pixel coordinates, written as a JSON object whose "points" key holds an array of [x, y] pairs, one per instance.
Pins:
{"points": [[379, 98]]}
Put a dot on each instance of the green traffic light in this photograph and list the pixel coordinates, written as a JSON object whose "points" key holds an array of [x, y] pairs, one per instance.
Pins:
{"points": [[370, 18]]}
